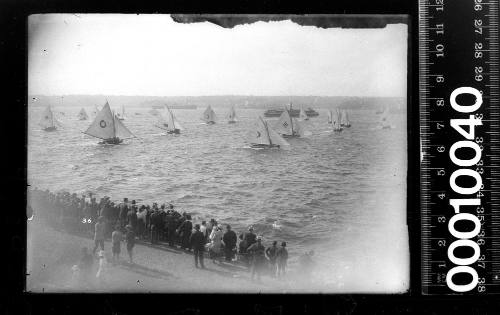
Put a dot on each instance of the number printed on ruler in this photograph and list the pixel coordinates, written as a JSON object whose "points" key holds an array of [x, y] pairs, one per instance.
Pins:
{"points": [[460, 162]]}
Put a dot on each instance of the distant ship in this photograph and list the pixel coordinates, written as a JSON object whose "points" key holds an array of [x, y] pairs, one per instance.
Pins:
{"points": [[293, 112]]}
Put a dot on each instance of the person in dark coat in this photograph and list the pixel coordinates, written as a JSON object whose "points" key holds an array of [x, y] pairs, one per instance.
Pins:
{"points": [[257, 250], [271, 253], [155, 224], [229, 239], [171, 225], [248, 238], [185, 231], [197, 241], [123, 212], [132, 218]]}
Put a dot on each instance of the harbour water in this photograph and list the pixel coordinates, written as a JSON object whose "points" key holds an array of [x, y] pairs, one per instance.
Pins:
{"points": [[340, 194]]}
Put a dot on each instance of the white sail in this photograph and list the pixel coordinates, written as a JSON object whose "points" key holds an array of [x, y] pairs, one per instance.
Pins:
{"points": [[121, 131], [303, 115], [82, 115], [47, 120], [209, 115], [336, 120], [275, 137], [167, 120], [289, 126], [260, 135], [330, 116], [284, 125], [344, 118], [162, 119], [173, 120], [103, 126], [231, 115]]}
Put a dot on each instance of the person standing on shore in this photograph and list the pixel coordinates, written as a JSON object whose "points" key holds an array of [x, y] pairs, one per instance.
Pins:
{"points": [[216, 243], [271, 253], [99, 234], [130, 237], [123, 212], [197, 241], [185, 230], [257, 250], [116, 238], [229, 240], [281, 259]]}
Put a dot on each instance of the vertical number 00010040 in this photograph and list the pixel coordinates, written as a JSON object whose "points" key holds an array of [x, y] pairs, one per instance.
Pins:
{"points": [[459, 113]]}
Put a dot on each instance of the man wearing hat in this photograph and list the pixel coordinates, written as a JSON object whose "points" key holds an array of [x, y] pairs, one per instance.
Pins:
{"points": [[197, 241], [257, 250]]}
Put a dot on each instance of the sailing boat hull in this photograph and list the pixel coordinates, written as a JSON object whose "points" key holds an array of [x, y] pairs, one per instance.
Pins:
{"points": [[290, 136], [50, 129], [347, 126], [210, 122], [175, 132], [264, 146], [111, 141], [231, 122]]}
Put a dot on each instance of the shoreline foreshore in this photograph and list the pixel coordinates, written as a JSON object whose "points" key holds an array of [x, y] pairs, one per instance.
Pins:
{"points": [[56, 238]]}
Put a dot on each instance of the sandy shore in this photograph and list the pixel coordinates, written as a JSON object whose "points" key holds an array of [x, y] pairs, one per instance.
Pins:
{"points": [[51, 254]]}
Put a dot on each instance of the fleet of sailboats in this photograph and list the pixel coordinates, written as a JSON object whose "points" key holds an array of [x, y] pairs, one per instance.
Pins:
{"points": [[168, 122], [108, 127], [209, 116], [48, 121], [231, 115], [82, 115], [265, 137]]}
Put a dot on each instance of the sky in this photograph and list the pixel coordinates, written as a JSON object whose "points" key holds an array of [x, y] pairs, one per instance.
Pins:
{"points": [[118, 54]]}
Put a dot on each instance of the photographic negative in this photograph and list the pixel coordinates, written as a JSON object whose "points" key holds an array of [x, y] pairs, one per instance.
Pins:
{"points": [[180, 154]]}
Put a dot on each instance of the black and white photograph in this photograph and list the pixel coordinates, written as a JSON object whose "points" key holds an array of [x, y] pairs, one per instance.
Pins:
{"points": [[172, 154]]}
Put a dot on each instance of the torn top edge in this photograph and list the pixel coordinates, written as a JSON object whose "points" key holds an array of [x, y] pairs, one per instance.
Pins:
{"points": [[321, 21]]}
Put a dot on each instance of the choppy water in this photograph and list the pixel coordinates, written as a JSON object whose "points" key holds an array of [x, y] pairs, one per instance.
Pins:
{"points": [[341, 194]]}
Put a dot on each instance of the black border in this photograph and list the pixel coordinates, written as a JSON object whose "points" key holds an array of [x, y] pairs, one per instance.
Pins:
{"points": [[13, 51]]}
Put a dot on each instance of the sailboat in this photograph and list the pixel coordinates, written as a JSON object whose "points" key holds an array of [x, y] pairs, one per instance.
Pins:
{"points": [[384, 119], [303, 115], [108, 127], [82, 115], [344, 119], [334, 119], [265, 137], [287, 126], [122, 115], [48, 121], [209, 116], [168, 122], [231, 116]]}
